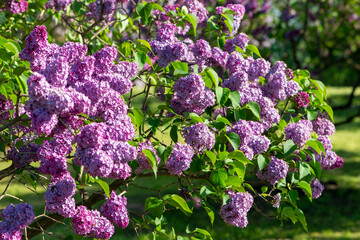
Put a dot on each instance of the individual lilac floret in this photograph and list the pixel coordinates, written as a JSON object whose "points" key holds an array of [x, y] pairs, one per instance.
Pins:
{"points": [[142, 159], [323, 126], [18, 216], [302, 99], [316, 188], [299, 132], [276, 170], [199, 137], [115, 210], [191, 95], [235, 211], [58, 5], [180, 159], [241, 41], [83, 221], [276, 200], [102, 228], [16, 6]]}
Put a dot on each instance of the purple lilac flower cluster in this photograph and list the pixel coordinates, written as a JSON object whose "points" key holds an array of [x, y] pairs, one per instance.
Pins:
{"points": [[276, 170], [57, 5], [90, 223], [252, 142], [52, 154], [141, 157], [199, 137], [191, 95], [316, 188], [16, 218], [302, 99], [24, 155], [15, 6], [299, 132], [278, 87], [115, 210], [235, 211], [59, 194], [324, 127], [104, 9], [180, 159], [5, 105], [66, 82], [104, 152], [276, 200]]}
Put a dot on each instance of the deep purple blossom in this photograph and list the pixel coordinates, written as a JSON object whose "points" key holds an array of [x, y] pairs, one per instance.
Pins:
{"points": [[235, 211], [276, 170], [115, 210], [180, 159], [199, 137]]}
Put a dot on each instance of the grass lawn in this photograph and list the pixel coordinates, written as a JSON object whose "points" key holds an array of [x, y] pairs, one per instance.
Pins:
{"points": [[335, 215]]}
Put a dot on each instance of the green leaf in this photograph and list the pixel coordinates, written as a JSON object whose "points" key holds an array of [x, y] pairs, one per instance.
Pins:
{"points": [[311, 114], [307, 189], [193, 20], [253, 49], [204, 191], [140, 59], [154, 205], [225, 96], [301, 217], [262, 162], [152, 160], [205, 234], [235, 182], [219, 177], [180, 203], [145, 43], [174, 133], [211, 156], [289, 213], [329, 110], [180, 68], [165, 153], [104, 186], [289, 147], [154, 123], [213, 76], [255, 109], [219, 93], [234, 140], [313, 144], [139, 116], [223, 120], [304, 170], [211, 214], [12, 46], [240, 156], [195, 116], [235, 99]]}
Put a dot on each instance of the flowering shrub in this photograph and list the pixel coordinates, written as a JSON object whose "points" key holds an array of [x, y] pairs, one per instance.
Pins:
{"points": [[157, 89]]}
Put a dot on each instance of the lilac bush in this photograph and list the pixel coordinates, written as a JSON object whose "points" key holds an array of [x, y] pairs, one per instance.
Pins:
{"points": [[146, 90]]}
